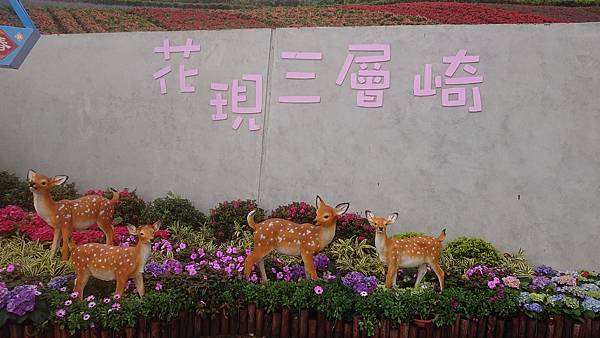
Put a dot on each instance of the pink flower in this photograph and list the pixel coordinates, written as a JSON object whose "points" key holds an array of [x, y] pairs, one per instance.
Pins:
{"points": [[68, 302], [60, 313], [158, 287], [90, 298], [10, 268], [492, 284], [117, 296], [86, 317], [91, 305], [318, 290], [511, 282], [74, 295]]}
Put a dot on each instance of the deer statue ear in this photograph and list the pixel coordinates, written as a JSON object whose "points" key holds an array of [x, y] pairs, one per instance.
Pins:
{"points": [[392, 218], [30, 175], [132, 229], [157, 225], [319, 202], [60, 179], [341, 208], [370, 216]]}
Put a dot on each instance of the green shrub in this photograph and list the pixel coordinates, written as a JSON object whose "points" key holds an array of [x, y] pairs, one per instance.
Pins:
{"points": [[224, 217], [298, 212], [13, 191], [130, 208], [171, 209], [408, 234], [64, 192], [480, 251], [354, 255]]}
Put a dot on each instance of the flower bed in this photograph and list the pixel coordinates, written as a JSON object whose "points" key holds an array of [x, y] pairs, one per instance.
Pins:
{"points": [[194, 285], [458, 13], [66, 21], [192, 19]]}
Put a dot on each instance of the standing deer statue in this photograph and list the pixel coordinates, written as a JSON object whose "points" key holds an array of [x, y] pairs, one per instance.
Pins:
{"points": [[406, 252], [293, 239], [68, 215], [107, 262]]}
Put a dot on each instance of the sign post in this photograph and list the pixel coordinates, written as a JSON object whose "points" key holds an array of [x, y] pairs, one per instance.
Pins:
{"points": [[16, 42]]}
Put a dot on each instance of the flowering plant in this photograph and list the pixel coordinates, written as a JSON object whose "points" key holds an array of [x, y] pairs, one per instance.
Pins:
{"points": [[224, 217], [359, 283], [297, 212], [354, 225]]}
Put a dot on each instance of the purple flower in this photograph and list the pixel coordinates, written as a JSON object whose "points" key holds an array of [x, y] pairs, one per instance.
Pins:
{"points": [[280, 275], [60, 313], [10, 268], [318, 290], [20, 300], [544, 270], [534, 307], [219, 254], [539, 282], [74, 295], [91, 305], [453, 303], [321, 262], [158, 287], [493, 283], [116, 306], [57, 282], [155, 269], [86, 317], [359, 283], [106, 300], [240, 259], [90, 298], [116, 296]]}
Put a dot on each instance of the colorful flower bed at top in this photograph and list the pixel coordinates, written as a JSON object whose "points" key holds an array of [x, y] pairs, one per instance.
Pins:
{"points": [[54, 20], [190, 275]]}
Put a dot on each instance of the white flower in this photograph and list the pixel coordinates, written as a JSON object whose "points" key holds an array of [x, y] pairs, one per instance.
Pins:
{"points": [[364, 293]]}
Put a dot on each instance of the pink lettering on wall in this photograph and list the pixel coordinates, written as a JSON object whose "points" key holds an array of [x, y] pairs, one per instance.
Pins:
{"points": [[238, 95], [368, 82], [166, 49], [452, 96], [300, 76]]}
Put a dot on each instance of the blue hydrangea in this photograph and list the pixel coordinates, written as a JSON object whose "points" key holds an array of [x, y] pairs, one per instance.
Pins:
{"points": [[321, 262], [590, 287], [544, 270], [591, 304], [21, 299], [58, 281], [523, 297], [557, 298], [533, 307]]}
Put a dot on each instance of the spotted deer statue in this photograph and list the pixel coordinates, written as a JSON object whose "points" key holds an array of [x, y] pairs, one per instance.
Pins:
{"points": [[68, 215], [108, 262], [410, 252], [293, 239]]}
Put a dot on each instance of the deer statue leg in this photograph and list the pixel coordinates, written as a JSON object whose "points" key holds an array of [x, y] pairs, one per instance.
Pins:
{"points": [[121, 281], [106, 226], [55, 241], [439, 272], [66, 239], [263, 272], [254, 257], [139, 284], [309, 264], [80, 282], [390, 275], [421, 273]]}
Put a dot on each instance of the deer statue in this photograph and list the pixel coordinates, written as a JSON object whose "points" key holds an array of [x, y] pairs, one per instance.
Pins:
{"points": [[406, 252], [68, 215], [293, 239], [107, 262]]}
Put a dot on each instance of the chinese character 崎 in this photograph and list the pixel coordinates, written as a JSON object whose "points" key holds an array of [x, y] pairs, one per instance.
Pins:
{"points": [[300, 76], [238, 95], [452, 96], [166, 49], [369, 82]]}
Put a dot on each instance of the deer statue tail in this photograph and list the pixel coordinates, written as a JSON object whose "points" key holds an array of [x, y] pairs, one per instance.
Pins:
{"points": [[250, 219], [442, 235], [115, 197]]}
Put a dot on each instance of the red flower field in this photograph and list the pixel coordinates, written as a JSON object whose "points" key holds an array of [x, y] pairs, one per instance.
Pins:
{"points": [[80, 20]]}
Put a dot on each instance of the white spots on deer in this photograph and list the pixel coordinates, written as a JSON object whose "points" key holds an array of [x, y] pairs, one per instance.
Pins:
{"points": [[262, 236]]}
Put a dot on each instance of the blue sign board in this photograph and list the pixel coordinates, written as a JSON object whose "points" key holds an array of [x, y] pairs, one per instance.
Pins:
{"points": [[16, 42]]}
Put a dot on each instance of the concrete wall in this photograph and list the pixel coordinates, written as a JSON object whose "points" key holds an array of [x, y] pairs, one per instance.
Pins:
{"points": [[522, 173]]}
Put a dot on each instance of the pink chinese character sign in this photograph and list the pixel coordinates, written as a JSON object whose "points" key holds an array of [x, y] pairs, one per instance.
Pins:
{"points": [[368, 82], [238, 95], [452, 96], [292, 55], [166, 49]]}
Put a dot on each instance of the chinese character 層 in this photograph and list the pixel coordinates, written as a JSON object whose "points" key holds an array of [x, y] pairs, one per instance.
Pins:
{"points": [[459, 93], [238, 94], [166, 49], [369, 83], [300, 76]]}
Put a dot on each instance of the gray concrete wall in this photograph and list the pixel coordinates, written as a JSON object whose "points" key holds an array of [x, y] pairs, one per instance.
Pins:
{"points": [[87, 106]]}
